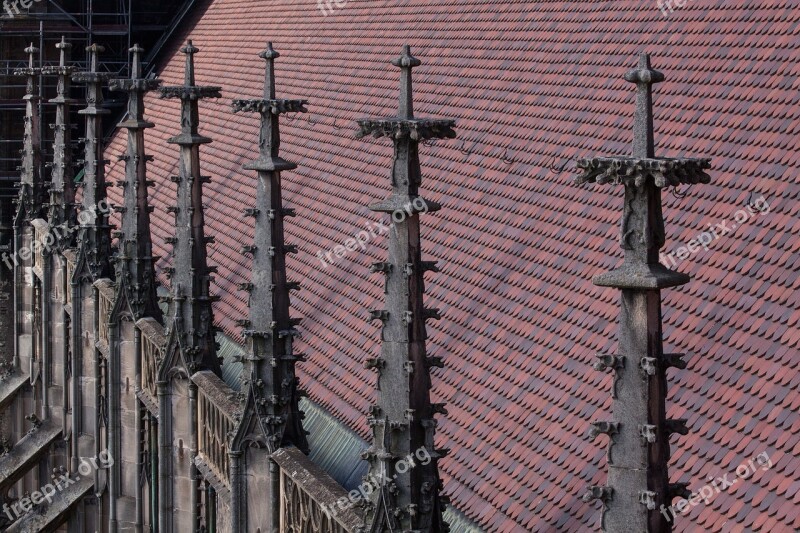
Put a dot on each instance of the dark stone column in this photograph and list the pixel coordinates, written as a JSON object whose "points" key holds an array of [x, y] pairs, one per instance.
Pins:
{"points": [[638, 488], [136, 296], [191, 345], [403, 459], [192, 322]]}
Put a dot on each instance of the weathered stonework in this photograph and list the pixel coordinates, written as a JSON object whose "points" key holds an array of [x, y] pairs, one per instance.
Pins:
{"points": [[272, 418], [638, 489], [407, 497], [190, 329], [134, 299], [93, 373]]}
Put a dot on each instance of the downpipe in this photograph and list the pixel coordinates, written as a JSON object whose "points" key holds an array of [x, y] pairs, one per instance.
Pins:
{"points": [[274, 496], [77, 327], [164, 461], [139, 413], [193, 474], [97, 396], [112, 380], [45, 340], [236, 494]]}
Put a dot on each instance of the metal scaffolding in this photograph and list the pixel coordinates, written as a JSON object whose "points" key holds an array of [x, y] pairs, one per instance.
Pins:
{"points": [[114, 24]]}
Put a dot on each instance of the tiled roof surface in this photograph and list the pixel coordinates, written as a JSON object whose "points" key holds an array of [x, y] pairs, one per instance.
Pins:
{"points": [[532, 85]]}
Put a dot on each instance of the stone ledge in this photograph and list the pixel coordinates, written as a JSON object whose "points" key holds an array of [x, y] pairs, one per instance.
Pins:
{"points": [[25, 453], [150, 403], [9, 386], [313, 480], [46, 516], [220, 485]]}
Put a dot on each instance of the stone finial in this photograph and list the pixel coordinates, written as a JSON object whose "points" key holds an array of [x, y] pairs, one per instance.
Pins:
{"points": [[190, 94], [644, 77], [191, 323], [270, 108], [31, 71], [269, 55], [405, 124], [638, 494], [406, 62], [190, 50], [136, 280], [33, 194], [643, 175], [403, 421], [136, 61], [31, 51], [94, 51], [270, 358], [64, 48], [62, 186]]}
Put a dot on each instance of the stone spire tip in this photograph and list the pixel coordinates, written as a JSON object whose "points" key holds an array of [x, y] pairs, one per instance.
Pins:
{"points": [[64, 46], [644, 76], [190, 50], [644, 72], [136, 62], [406, 62], [31, 51], [269, 53], [95, 49]]}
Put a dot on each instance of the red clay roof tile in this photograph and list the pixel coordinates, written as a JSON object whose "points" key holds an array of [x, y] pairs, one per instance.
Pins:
{"points": [[531, 85]]}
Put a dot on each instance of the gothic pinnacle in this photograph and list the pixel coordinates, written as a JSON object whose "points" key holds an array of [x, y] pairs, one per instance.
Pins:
{"points": [[270, 361], [403, 421], [135, 262], [32, 195], [191, 313], [62, 187], [638, 488], [94, 246]]}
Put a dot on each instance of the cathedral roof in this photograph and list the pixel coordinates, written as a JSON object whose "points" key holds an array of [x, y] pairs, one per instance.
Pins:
{"points": [[533, 86]]}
